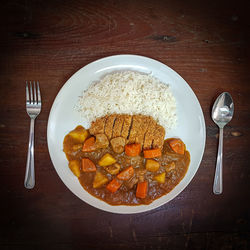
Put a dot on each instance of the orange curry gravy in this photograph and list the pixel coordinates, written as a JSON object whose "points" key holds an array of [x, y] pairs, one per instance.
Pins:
{"points": [[125, 195]]}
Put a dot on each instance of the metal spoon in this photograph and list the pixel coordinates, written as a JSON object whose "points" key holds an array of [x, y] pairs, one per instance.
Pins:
{"points": [[222, 113]]}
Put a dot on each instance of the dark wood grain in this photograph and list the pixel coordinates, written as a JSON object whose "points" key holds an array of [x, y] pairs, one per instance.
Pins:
{"points": [[207, 43]]}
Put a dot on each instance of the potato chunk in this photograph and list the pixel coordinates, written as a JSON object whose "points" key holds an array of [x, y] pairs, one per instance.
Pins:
{"points": [[99, 180], [160, 177], [75, 166], [107, 160], [113, 169], [152, 165], [79, 134]]}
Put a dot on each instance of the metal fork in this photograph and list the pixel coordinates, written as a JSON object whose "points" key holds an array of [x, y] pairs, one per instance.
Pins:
{"points": [[33, 108]]}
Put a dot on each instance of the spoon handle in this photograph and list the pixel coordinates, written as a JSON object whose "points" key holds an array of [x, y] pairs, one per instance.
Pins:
{"points": [[217, 189]]}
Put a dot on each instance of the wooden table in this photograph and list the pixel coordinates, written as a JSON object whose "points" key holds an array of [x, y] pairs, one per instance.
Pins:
{"points": [[207, 43]]}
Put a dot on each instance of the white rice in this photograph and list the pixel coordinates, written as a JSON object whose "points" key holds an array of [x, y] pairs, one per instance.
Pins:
{"points": [[129, 92]]}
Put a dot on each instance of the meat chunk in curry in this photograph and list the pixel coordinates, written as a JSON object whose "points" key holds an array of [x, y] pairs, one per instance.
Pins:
{"points": [[118, 144], [101, 141]]}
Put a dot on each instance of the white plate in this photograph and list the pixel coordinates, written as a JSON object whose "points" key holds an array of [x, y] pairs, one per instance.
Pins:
{"points": [[63, 118]]}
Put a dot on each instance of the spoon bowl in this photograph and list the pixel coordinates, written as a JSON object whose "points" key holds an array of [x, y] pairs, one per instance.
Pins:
{"points": [[223, 109]]}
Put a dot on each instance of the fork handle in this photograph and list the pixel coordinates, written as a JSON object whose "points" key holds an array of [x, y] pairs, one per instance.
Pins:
{"points": [[29, 181]]}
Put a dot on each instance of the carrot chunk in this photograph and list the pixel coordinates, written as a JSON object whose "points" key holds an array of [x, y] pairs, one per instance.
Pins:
{"points": [[126, 174], [88, 165], [133, 149], [177, 145], [142, 188], [152, 153], [89, 145], [114, 185]]}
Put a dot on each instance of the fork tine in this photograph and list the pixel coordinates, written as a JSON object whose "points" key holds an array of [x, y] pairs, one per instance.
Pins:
{"points": [[27, 93], [38, 93], [35, 100], [31, 93]]}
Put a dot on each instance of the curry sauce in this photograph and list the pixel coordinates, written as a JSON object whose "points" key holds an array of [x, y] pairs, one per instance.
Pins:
{"points": [[170, 165]]}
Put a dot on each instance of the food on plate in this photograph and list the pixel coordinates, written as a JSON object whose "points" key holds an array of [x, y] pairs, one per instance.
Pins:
{"points": [[141, 190], [133, 149], [101, 141], [113, 169], [160, 177], [99, 180], [89, 145], [118, 144], [79, 134], [128, 92], [75, 167], [152, 165], [114, 185], [88, 165], [177, 145], [124, 159], [126, 174], [106, 160], [152, 153], [141, 132]]}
